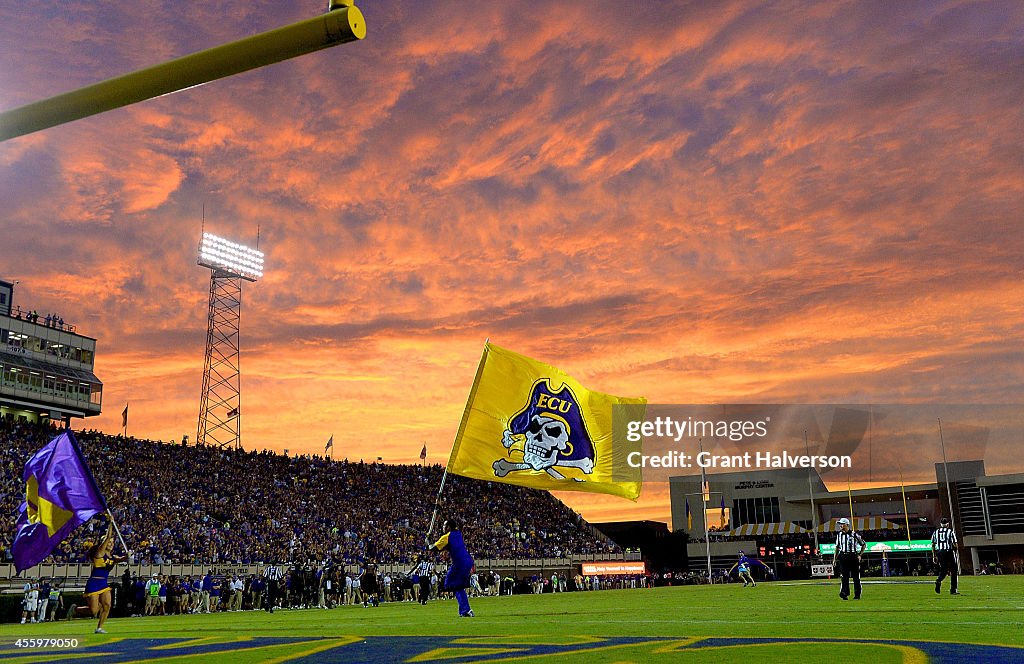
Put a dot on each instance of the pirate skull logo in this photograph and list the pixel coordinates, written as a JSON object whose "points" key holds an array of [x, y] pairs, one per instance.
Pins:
{"points": [[545, 438], [549, 433]]}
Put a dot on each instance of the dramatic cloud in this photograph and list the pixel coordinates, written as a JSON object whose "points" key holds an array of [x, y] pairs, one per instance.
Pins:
{"points": [[727, 202]]}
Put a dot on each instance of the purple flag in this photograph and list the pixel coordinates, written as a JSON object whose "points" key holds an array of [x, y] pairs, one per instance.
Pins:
{"points": [[60, 495]]}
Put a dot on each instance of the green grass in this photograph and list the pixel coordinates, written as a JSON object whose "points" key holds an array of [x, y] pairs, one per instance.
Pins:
{"points": [[990, 611]]}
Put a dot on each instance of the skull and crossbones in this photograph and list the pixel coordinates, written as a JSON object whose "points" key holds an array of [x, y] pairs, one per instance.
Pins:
{"points": [[544, 439]]}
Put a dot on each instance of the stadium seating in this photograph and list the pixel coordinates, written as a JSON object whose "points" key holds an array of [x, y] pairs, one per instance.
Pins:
{"points": [[205, 505]]}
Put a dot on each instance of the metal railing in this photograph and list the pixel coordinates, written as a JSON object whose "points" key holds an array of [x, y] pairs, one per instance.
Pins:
{"points": [[31, 316]]}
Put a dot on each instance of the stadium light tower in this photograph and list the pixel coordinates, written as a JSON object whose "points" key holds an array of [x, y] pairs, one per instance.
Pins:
{"points": [[220, 406]]}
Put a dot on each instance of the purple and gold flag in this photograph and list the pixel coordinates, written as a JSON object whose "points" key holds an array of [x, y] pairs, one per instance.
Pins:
{"points": [[528, 423], [60, 495]]}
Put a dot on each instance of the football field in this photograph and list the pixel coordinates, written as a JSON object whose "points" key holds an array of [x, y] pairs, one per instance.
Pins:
{"points": [[903, 621]]}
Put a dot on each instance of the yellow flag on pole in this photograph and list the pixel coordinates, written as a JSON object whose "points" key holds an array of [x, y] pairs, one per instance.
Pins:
{"points": [[530, 424]]}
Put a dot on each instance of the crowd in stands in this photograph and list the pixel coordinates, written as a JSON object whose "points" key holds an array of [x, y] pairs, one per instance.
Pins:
{"points": [[206, 505]]}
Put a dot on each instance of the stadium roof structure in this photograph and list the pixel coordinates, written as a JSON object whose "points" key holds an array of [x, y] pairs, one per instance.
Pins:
{"points": [[1000, 480], [913, 491]]}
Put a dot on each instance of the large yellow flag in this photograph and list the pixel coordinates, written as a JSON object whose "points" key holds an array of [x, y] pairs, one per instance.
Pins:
{"points": [[528, 423]]}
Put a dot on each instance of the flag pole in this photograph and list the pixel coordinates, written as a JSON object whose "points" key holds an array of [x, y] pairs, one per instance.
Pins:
{"points": [[117, 530], [705, 495], [95, 486], [949, 491], [849, 494], [810, 493], [903, 490], [871, 420], [458, 436]]}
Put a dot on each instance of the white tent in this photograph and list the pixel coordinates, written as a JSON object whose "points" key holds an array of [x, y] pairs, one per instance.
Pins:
{"points": [[749, 529], [860, 523]]}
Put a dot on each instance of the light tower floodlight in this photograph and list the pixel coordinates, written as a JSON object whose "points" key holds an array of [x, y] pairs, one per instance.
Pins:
{"points": [[238, 260], [220, 406]]}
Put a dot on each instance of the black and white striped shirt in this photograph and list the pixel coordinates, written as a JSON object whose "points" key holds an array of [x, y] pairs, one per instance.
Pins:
{"points": [[272, 573], [848, 542], [944, 539]]}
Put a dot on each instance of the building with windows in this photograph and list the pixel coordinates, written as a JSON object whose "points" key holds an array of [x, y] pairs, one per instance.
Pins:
{"points": [[783, 515], [46, 366], [748, 497], [989, 513]]}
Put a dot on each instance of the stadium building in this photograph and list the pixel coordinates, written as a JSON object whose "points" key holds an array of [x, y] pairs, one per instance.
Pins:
{"points": [[46, 366], [782, 515], [661, 548]]}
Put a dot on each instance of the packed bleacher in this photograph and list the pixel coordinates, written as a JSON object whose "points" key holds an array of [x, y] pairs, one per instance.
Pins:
{"points": [[206, 505]]}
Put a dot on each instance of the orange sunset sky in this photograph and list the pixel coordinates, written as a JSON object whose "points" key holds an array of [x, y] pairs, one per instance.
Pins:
{"points": [[694, 202]]}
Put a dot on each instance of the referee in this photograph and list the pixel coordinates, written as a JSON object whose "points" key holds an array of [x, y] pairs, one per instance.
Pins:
{"points": [[944, 555], [849, 547], [425, 569], [272, 574]]}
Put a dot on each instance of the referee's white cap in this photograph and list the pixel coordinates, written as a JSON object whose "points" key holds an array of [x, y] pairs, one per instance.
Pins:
{"points": [[844, 522]]}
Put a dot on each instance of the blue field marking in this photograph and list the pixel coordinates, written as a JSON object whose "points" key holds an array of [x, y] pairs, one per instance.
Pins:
{"points": [[937, 653], [456, 650]]}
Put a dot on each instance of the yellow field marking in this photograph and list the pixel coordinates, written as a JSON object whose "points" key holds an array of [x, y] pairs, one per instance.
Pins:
{"points": [[333, 643], [576, 652], [533, 640], [453, 653], [202, 641], [910, 655], [676, 644], [321, 645]]}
